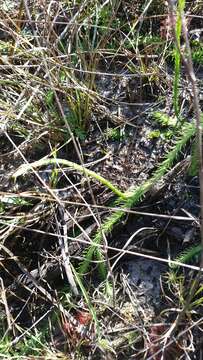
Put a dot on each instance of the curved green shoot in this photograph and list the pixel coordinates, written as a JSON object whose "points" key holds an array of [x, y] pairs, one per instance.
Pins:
{"points": [[25, 168]]}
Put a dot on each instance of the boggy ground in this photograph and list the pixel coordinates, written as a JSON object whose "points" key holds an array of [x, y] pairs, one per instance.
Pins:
{"points": [[97, 90]]}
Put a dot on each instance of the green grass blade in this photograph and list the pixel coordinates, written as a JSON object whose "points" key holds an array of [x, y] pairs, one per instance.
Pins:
{"points": [[178, 28]]}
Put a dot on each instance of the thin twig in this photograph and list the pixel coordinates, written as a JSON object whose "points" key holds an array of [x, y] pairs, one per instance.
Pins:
{"points": [[63, 243]]}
